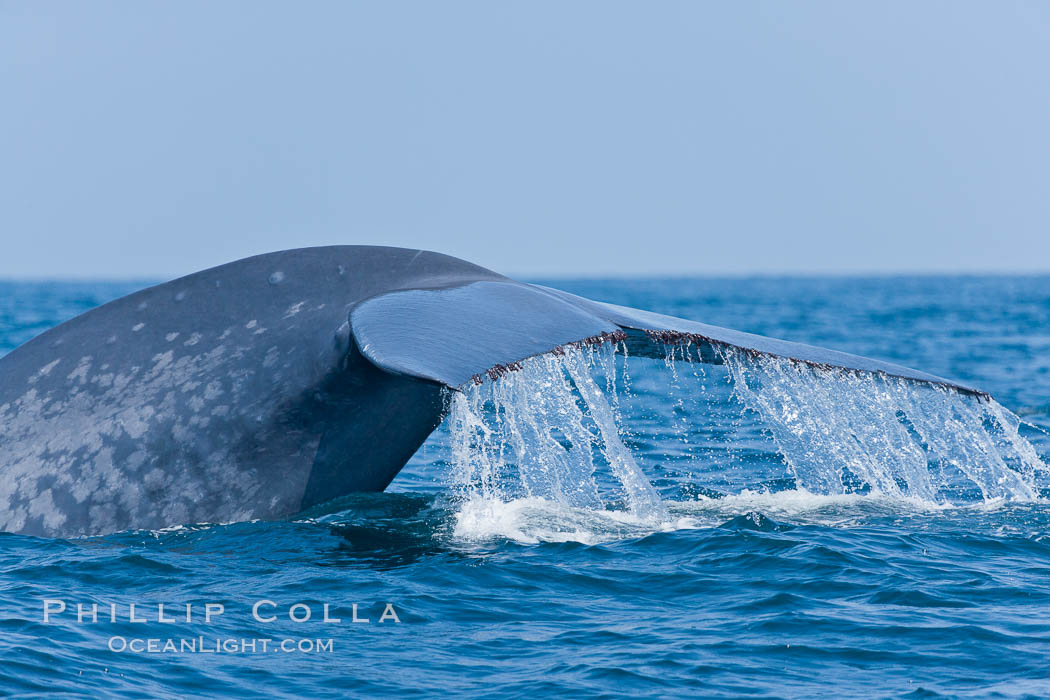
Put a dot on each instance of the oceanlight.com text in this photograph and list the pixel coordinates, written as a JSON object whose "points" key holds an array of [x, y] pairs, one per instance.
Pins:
{"points": [[219, 645]]}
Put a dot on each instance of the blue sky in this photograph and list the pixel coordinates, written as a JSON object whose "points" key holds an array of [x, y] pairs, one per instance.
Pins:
{"points": [[146, 139]]}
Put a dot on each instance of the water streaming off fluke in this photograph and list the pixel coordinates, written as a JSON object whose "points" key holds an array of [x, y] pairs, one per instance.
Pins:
{"points": [[551, 436], [840, 431], [545, 431]]}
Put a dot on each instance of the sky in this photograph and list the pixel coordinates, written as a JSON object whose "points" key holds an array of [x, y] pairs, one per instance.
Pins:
{"points": [[539, 139]]}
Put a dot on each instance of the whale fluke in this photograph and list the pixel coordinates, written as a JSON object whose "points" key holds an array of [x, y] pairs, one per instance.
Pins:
{"points": [[272, 384]]}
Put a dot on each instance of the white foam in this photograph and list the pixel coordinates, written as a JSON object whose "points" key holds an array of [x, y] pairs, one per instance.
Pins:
{"points": [[532, 520]]}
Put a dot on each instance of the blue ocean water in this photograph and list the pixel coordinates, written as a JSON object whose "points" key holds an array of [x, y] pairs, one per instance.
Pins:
{"points": [[522, 556]]}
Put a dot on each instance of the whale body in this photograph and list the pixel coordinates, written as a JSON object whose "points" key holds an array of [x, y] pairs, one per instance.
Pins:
{"points": [[260, 388]]}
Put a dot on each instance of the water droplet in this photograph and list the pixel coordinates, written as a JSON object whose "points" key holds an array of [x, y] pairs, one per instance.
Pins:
{"points": [[277, 277], [180, 296]]}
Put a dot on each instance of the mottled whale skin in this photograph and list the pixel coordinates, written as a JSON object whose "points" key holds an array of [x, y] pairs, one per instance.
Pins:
{"points": [[266, 386]]}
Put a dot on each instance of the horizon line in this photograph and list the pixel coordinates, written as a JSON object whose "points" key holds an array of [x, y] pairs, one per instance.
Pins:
{"points": [[606, 276]]}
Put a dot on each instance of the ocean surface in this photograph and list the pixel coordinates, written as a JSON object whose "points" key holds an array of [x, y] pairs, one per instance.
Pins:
{"points": [[602, 526]]}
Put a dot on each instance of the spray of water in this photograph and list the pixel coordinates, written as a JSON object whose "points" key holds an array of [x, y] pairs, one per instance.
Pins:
{"points": [[538, 453], [544, 432], [838, 430]]}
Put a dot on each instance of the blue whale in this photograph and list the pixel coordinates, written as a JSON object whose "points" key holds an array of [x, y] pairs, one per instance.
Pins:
{"points": [[266, 386]]}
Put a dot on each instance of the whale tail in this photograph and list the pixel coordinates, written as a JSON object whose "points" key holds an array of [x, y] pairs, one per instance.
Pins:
{"points": [[487, 327], [265, 386]]}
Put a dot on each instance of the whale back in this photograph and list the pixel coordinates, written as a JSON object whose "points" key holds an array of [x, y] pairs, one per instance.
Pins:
{"points": [[210, 397]]}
